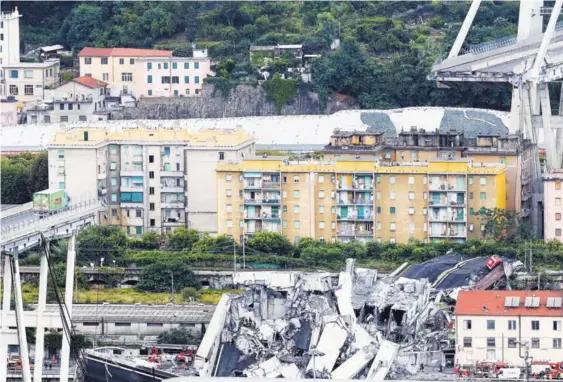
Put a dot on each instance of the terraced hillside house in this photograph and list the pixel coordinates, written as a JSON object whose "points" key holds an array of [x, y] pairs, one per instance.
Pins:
{"points": [[152, 180], [115, 66], [496, 325], [358, 199]]}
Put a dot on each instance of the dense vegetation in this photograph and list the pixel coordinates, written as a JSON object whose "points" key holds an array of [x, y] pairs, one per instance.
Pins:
{"points": [[22, 175], [386, 52]]}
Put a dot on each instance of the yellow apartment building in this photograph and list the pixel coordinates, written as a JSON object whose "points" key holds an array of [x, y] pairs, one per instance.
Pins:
{"points": [[419, 145], [358, 199]]}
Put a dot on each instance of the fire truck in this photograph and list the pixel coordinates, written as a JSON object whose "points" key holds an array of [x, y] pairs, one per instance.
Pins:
{"points": [[546, 369]]}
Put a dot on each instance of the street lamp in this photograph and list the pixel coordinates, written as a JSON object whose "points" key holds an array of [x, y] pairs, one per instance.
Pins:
{"points": [[114, 263], [102, 262]]}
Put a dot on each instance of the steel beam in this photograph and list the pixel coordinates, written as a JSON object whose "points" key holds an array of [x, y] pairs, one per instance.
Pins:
{"points": [[6, 294], [69, 289], [462, 34], [22, 338], [40, 334]]}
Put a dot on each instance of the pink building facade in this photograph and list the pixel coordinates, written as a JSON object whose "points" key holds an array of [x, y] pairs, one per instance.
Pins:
{"points": [[171, 76], [553, 205]]}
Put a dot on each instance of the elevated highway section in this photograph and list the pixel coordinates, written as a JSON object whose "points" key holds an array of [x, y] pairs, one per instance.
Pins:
{"points": [[23, 230]]}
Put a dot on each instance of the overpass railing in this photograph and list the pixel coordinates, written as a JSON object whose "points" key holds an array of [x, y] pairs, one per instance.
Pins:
{"points": [[73, 213], [16, 210]]}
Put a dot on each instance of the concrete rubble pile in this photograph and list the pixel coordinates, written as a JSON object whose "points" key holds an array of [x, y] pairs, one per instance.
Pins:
{"points": [[298, 325]]}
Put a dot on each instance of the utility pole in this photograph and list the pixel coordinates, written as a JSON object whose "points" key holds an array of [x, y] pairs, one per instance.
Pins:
{"points": [[234, 257], [172, 292], [243, 248]]}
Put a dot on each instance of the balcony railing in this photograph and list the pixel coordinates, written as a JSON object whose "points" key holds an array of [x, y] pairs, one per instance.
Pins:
{"points": [[271, 201], [173, 220], [363, 202], [270, 216], [252, 201], [346, 232], [271, 185], [364, 233], [252, 185]]}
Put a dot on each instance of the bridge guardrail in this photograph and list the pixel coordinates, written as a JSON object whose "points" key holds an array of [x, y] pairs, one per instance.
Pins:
{"points": [[16, 210], [27, 227]]}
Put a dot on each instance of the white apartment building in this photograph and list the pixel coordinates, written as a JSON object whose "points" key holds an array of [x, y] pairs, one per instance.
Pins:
{"points": [[115, 66], [492, 325], [553, 205], [9, 38], [151, 180], [81, 99], [172, 76], [29, 81]]}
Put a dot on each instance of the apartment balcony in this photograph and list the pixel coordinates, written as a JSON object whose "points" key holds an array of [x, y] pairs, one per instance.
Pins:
{"points": [[168, 221], [253, 202], [272, 217], [451, 234], [345, 232], [132, 171], [255, 185], [445, 187], [101, 176], [271, 201], [132, 188], [252, 216], [271, 185], [171, 173], [364, 232], [363, 202], [172, 204], [349, 217], [171, 188], [345, 202], [367, 218], [438, 203]]}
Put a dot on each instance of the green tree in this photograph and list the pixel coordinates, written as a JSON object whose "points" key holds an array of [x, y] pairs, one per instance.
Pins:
{"points": [[99, 242], [272, 243], [189, 294], [280, 91], [177, 336], [158, 277], [183, 239], [505, 226]]}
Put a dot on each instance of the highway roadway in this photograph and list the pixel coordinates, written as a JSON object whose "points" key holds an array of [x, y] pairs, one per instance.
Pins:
{"points": [[18, 219], [433, 268]]}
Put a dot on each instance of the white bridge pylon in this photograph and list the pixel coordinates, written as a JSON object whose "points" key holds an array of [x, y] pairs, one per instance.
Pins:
{"points": [[528, 61]]}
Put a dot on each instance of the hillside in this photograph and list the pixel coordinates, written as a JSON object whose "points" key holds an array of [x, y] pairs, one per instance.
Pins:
{"points": [[386, 51]]}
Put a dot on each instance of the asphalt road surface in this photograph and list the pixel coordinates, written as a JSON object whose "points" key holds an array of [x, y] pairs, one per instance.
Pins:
{"points": [[461, 277], [433, 268]]}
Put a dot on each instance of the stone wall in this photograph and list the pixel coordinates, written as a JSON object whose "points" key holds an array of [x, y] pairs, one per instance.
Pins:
{"points": [[243, 101]]}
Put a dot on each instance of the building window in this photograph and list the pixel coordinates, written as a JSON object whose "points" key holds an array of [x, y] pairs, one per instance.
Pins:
{"points": [[149, 79], [186, 65], [122, 324], [149, 65], [196, 65], [85, 323], [70, 106], [557, 343], [151, 206], [490, 324], [483, 181], [13, 90], [229, 208], [174, 65], [196, 79], [424, 194], [321, 194], [558, 216], [88, 74], [187, 91], [557, 325], [296, 209], [378, 179], [28, 73], [47, 119], [221, 155], [165, 65], [151, 190], [392, 226], [105, 76], [87, 60], [285, 224], [150, 92], [467, 324], [155, 324], [411, 210], [186, 79], [392, 210], [411, 195], [483, 195], [64, 118], [558, 232], [229, 223], [14, 74], [113, 165], [467, 342], [321, 209], [535, 343], [296, 179], [28, 89], [114, 181], [296, 224], [321, 179], [535, 325], [391, 180], [151, 174], [511, 324], [392, 195], [491, 342], [229, 193], [114, 197], [228, 177], [126, 77], [175, 79], [411, 179], [296, 194], [511, 342], [138, 213], [321, 225], [104, 60], [131, 61], [557, 201]]}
